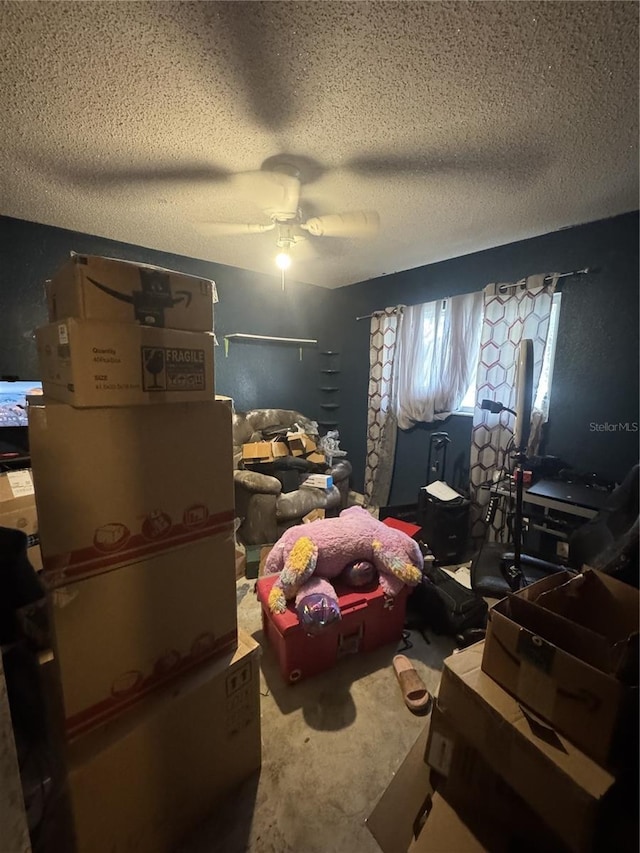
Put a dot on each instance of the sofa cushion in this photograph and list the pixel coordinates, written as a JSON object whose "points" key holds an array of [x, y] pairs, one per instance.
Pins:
{"points": [[297, 504], [253, 481], [258, 525]]}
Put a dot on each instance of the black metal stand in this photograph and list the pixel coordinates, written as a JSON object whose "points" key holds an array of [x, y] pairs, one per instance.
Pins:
{"points": [[513, 571]]}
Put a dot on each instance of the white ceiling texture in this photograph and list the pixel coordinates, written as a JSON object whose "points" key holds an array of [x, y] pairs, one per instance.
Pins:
{"points": [[463, 125]]}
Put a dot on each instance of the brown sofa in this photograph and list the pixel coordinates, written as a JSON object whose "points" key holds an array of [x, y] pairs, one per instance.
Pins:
{"points": [[262, 508]]}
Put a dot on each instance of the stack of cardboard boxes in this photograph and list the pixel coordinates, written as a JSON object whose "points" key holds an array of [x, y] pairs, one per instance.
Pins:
{"points": [[533, 741], [132, 464], [290, 444]]}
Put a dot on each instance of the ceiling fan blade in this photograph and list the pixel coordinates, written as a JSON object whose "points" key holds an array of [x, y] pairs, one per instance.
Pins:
{"points": [[324, 248], [517, 162], [263, 51], [85, 176], [360, 223], [392, 164], [231, 229]]}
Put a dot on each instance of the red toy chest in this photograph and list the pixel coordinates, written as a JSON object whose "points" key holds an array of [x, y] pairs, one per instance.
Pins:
{"points": [[369, 619]]}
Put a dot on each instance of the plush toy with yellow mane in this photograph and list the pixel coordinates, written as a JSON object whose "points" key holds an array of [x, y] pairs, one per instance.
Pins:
{"points": [[351, 548]]}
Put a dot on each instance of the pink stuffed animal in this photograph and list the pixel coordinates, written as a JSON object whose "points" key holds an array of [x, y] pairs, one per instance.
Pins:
{"points": [[310, 555]]}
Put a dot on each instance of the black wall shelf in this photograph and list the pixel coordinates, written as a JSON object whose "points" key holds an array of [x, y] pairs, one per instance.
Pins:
{"points": [[331, 368]]}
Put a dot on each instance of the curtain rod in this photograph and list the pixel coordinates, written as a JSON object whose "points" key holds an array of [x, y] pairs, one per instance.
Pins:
{"points": [[380, 311], [546, 280]]}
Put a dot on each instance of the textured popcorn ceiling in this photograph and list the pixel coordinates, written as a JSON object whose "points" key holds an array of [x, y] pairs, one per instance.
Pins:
{"points": [[465, 125]]}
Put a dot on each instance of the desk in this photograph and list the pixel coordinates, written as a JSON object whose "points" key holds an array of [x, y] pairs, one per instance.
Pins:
{"points": [[555, 509], [576, 495], [566, 498]]}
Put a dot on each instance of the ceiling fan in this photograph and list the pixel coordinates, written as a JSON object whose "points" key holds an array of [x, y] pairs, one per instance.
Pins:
{"points": [[276, 192]]}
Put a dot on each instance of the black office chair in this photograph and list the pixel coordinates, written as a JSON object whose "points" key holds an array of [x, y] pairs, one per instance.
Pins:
{"points": [[608, 542]]}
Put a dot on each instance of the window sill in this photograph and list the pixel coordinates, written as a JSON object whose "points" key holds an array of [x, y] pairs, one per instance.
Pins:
{"points": [[463, 414]]}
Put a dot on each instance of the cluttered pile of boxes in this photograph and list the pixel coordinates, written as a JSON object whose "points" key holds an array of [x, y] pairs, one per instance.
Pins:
{"points": [[295, 443], [533, 740], [278, 456], [132, 465]]}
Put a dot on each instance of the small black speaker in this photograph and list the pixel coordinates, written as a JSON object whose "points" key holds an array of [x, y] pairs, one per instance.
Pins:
{"points": [[445, 527]]}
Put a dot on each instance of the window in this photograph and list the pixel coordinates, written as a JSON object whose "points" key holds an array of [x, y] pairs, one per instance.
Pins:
{"points": [[433, 336], [541, 402], [468, 403], [437, 357]]}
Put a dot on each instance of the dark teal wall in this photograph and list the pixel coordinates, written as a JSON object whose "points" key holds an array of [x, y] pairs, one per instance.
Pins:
{"points": [[596, 368], [255, 375], [596, 371]]}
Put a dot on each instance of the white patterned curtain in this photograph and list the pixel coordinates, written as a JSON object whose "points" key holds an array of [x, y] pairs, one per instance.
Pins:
{"points": [[382, 425], [511, 313]]}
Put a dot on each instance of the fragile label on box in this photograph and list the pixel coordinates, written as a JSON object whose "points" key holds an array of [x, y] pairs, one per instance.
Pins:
{"points": [[173, 369], [90, 363]]}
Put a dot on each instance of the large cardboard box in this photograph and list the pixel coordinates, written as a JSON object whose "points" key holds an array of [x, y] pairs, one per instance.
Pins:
{"points": [[565, 787], [95, 363], [96, 288], [398, 815], [445, 831], [481, 796], [18, 510], [120, 635], [567, 647], [412, 816], [264, 451], [148, 779], [117, 485], [301, 444]]}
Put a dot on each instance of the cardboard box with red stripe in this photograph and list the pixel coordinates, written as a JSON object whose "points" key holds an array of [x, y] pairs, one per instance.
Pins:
{"points": [[120, 635], [136, 523], [147, 778], [116, 486]]}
